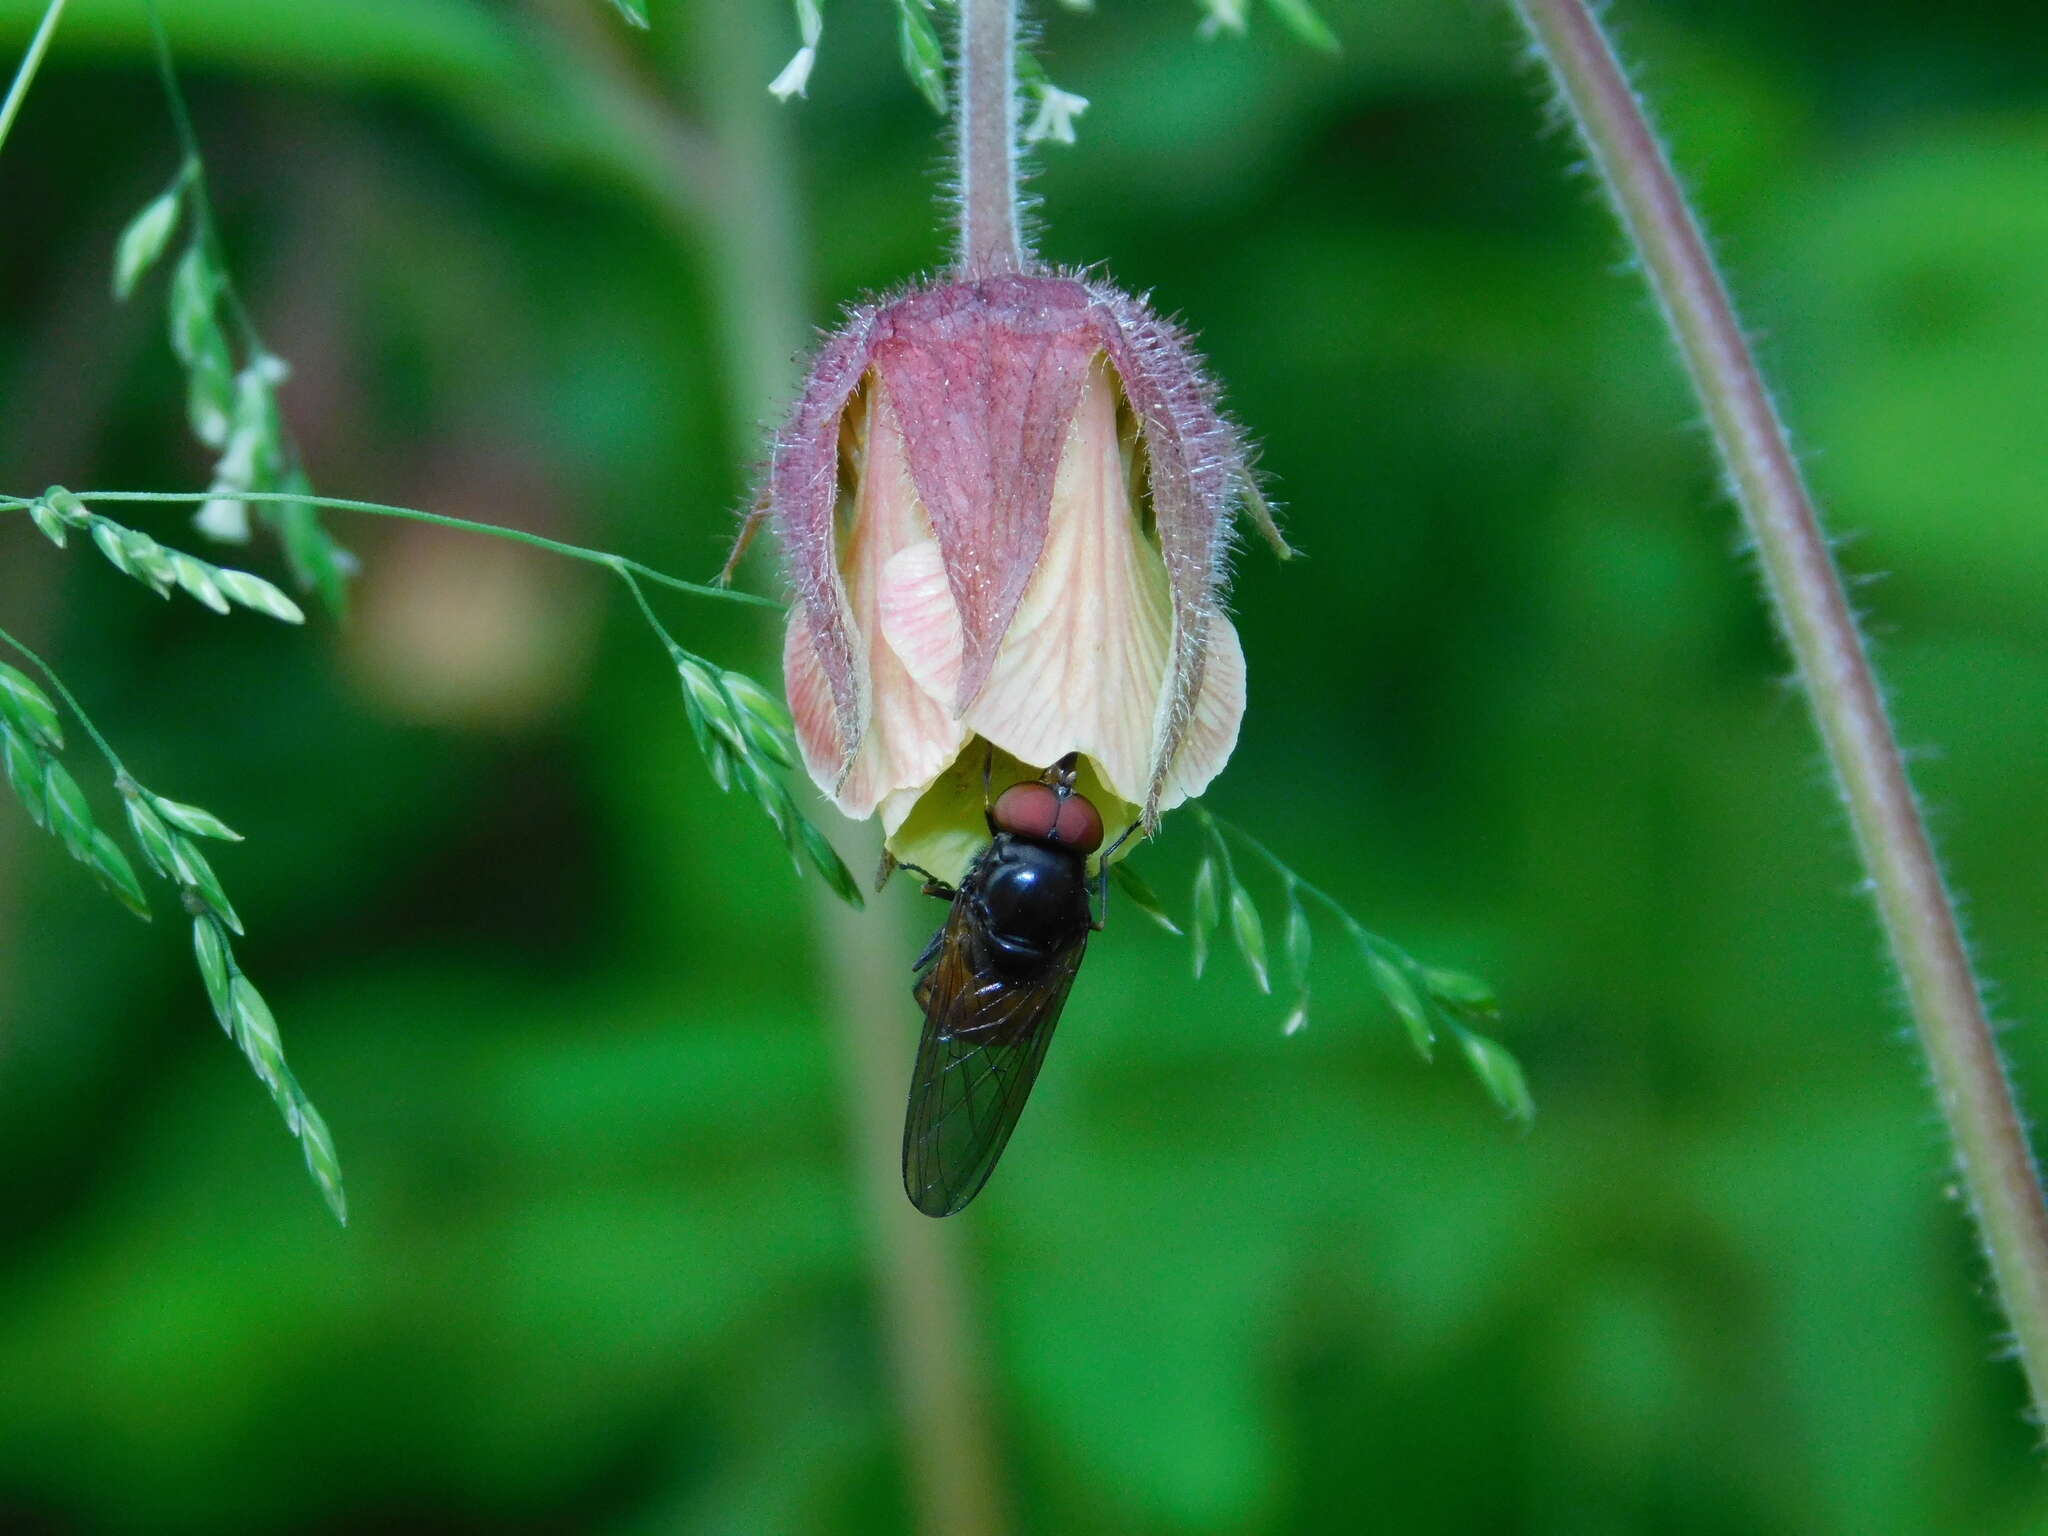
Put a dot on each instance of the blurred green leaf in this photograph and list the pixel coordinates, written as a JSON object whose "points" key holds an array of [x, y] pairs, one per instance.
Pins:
{"points": [[1141, 895], [194, 819], [47, 522], [106, 860], [28, 709], [70, 814], [1205, 911], [195, 288], [1500, 1073], [25, 773], [210, 950], [151, 836], [143, 241], [1300, 942], [1301, 19], [190, 869], [1461, 991], [1250, 931], [254, 593], [923, 55], [1390, 973], [826, 861]]}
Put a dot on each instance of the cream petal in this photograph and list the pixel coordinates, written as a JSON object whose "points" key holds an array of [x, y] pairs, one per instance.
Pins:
{"points": [[1083, 667], [1212, 727], [910, 737], [919, 619]]}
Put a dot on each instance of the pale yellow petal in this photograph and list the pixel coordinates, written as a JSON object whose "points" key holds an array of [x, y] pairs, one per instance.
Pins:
{"points": [[1083, 667], [919, 619], [1213, 726], [910, 737]]}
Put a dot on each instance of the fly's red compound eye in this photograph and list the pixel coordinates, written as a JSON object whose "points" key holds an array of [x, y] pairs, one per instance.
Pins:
{"points": [[1036, 811]]}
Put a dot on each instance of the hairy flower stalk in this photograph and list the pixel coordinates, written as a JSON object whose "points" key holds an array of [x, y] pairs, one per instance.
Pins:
{"points": [[1805, 588]]}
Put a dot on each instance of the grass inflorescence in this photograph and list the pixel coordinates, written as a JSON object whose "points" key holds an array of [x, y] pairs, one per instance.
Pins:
{"points": [[166, 833], [1430, 1002], [163, 570], [231, 377], [743, 730]]}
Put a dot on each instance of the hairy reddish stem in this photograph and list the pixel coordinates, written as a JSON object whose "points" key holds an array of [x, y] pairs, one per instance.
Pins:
{"points": [[1806, 591], [987, 84]]}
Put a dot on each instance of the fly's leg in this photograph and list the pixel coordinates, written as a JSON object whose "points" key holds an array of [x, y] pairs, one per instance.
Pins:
{"points": [[1100, 917], [933, 885]]}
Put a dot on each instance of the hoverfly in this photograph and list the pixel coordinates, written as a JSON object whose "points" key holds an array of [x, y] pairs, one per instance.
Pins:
{"points": [[992, 983]]}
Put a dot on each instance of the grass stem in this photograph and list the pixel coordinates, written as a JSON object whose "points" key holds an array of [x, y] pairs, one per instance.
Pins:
{"points": [[31, 61]]}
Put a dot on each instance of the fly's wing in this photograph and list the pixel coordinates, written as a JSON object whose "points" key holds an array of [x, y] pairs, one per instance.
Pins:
{"points": [[984, 1038]]}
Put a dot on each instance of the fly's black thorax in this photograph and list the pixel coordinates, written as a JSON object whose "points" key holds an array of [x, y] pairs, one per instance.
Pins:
{"points": [[1030, 901]]}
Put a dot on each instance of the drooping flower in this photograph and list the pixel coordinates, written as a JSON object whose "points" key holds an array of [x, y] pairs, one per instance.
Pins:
{"points": [[1006, 504]]}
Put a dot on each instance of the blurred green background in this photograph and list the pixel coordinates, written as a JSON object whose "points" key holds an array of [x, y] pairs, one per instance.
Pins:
{"points": [[623, 1253]]}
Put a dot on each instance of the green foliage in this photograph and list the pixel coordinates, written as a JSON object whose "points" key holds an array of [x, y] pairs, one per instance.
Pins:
{"points": [[1428, 1001], [796, 74], [745, 735], [1141, 896], [163, 570], [231, 384], [923, 55], [1298, 16], [29, 742], [143, 241], [614, 1267], [163, 831]]}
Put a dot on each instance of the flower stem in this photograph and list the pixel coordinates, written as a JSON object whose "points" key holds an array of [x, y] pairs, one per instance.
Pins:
{"points": [[1806, 590], [987, 85], [31, 61]]}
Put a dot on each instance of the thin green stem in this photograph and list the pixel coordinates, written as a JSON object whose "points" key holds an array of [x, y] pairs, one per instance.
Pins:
{"points": [[30, 63], [647, 612], [199, 196], [1806, 590], [1221, 828], [412, 514], [70, 702]]}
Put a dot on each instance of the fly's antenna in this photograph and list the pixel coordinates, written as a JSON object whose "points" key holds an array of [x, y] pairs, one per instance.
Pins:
{"points": [[1061, 775], [988, 805]]}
